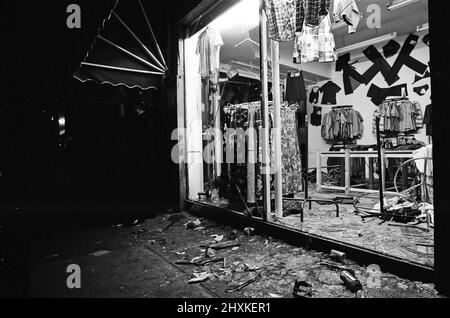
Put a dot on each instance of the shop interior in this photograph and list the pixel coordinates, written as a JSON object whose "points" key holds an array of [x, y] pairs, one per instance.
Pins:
{"points": [[352, 159]]}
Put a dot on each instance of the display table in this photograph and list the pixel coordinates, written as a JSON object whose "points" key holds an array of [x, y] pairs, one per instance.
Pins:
{"points": [[370, 157]]}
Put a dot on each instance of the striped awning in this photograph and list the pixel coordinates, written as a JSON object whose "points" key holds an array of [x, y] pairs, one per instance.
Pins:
{"points": [[125, 51]]}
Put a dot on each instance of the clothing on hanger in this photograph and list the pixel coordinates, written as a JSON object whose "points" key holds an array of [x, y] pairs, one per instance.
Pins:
{"points": [[329, 90], [316, 116], [281, 18], [398, 116], [347, 11], [314, 95], [315, 44], [342, 124], [208, 48], [295, 88]]}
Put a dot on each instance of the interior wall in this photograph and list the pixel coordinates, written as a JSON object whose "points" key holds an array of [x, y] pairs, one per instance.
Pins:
{"points": [[364, 105]]}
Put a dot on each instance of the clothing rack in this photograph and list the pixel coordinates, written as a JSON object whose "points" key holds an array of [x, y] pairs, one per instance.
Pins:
{"points": [[342, 107]]}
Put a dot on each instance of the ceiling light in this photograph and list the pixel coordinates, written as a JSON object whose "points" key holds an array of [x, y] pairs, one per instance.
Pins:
{"points": [[422, 27], [367, 43], [399, 4], [244, 14]]}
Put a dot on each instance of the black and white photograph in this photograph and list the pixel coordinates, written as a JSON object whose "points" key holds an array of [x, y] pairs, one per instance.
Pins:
{"points": [[225, 155]]}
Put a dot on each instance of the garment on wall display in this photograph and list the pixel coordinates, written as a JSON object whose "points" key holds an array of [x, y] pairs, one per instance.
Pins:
{"points": [[378, 95], [405, 59], [352, 79], [422, 90], [314, 95], [295, 88], [398, 116], [428, 120], [379, 65], [329, 90], [281, 18], [347, 11], [316, 116], [315, 44], [342, 125], [391, 48], [418, 78]]}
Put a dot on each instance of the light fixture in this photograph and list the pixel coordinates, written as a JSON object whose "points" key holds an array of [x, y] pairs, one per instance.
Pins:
{"points": [[367, 43], [422, 27], [399, 4], [244, 14]]}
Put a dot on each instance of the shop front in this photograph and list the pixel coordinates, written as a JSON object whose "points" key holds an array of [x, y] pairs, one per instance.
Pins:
{"points": [[312, 118]]}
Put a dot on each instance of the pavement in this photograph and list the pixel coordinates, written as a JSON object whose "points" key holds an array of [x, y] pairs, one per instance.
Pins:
{"points": [[152, 259]]}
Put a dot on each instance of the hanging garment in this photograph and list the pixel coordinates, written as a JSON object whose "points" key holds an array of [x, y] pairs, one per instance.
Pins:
{"points": [[295, 88], [208, 47], [316, 116], [379, 65], [251, 156], [378, 95], [418, 78], [352, 79], [344, 124], [422, 90], [327, 45], [402, 116], [281, 18], [311, 12], [314, 95], [391, 48], [347, 10], [405, 59], [291, 159], [315, 44], [329, 90], [301, 123]]}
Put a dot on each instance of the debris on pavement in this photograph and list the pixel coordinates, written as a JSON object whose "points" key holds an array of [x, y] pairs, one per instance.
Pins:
{"points": [[249, 231], [223, 246], [100, 253], [193, 224], [302, 289], [233, 235], [242, 286], [218, 238], [199, 278], [350, 281], [338, 256]]}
